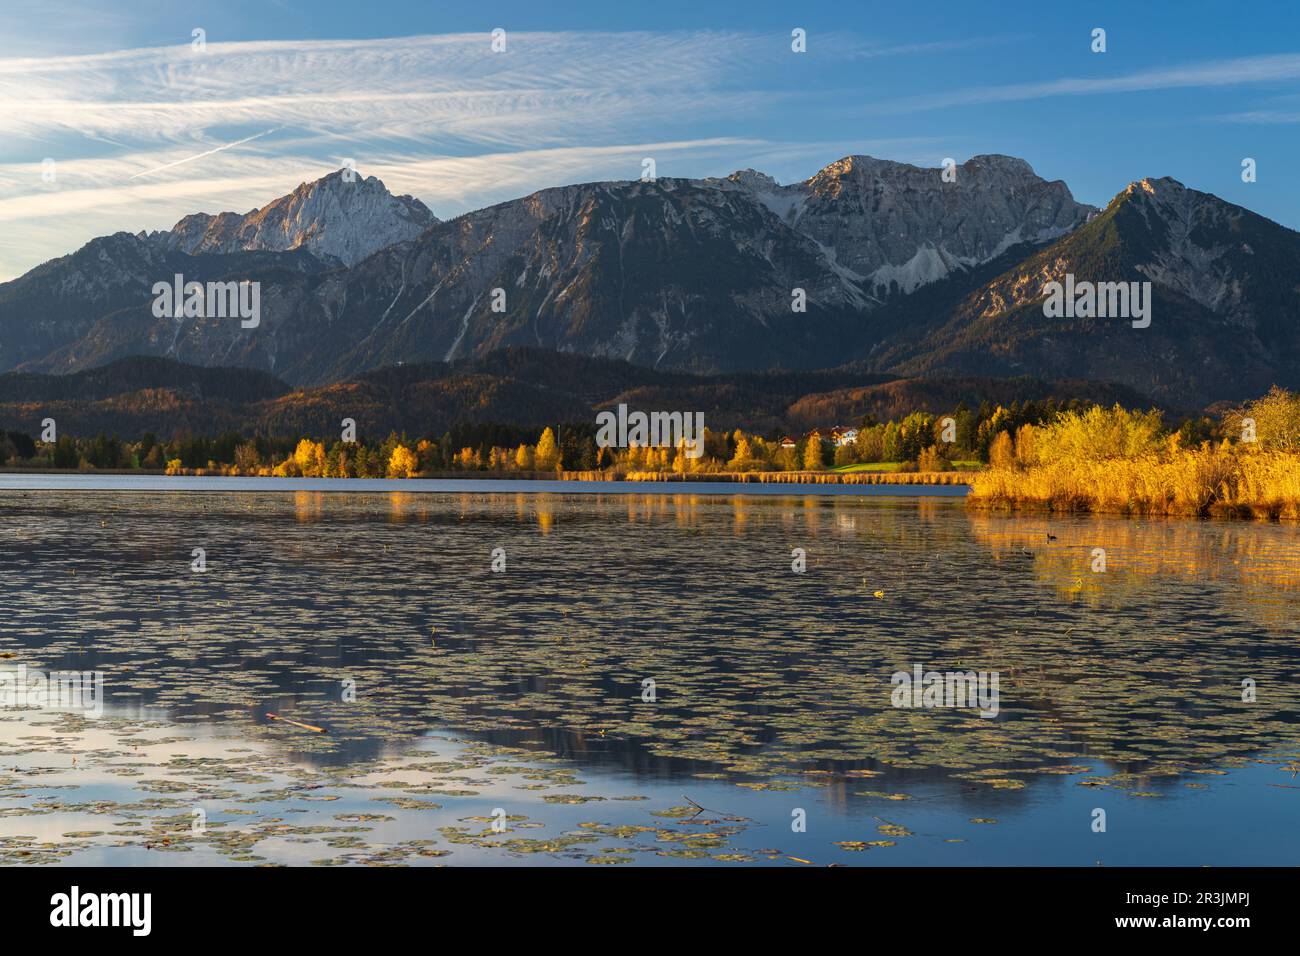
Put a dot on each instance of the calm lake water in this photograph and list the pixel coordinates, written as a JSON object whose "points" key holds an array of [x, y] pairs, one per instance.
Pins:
{"points": [[485, 717]]}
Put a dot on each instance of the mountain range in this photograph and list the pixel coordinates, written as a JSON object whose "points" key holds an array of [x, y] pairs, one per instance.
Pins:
{"points": [[903, 273]]}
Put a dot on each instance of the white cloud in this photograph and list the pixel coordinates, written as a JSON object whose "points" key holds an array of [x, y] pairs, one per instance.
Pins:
{"points": [[142, 137], [1265, 117], [1251, 69]]}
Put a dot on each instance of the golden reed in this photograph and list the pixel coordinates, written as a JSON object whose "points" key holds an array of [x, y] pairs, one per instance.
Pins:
{"points": [[809, 477], [1206, 482]]}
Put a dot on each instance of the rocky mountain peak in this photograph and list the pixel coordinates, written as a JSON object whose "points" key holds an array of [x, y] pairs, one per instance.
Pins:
{"points": [[832, 177], [998, 163], [898, 227], [698, 274], [753, 179], [1161, 192], [341, 217]]}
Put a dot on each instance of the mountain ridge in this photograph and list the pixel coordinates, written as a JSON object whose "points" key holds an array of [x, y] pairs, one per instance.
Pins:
{"points": [[866, 260], [1225, 315]]}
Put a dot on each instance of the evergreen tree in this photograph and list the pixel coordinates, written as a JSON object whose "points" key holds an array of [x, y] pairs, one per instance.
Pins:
{"points": [[65, 453]]}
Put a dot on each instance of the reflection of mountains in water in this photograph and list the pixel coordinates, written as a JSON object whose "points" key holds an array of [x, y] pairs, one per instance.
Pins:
{"points": [[759, 670]]}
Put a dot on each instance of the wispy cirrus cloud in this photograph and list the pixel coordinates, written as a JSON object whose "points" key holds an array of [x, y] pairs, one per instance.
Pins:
{"points": [[427, 88], [140, 137], [1231, 72], [1263, 117], [872, 50]]}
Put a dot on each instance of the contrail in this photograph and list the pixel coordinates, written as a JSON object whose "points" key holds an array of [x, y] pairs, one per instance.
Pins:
{"points": [[201, 155]]}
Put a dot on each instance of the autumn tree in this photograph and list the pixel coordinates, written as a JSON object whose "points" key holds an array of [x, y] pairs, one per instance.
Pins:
{"points": [[247, 460], [1002, 452], [339, 460], [935, 458], [744, 457], [403, 463], [1098, 434], [869, 445], [309, 458], [1275, 419], [547, 456], [681, 463], [813, 457], [1027, 444]]}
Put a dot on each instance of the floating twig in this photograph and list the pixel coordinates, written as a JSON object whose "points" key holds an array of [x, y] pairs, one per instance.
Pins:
{"points": [[287, 720], [700, 809]]}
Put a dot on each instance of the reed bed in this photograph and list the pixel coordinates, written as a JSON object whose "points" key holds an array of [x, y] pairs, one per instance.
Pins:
{"points": [[814, 477], [1223, 481]]}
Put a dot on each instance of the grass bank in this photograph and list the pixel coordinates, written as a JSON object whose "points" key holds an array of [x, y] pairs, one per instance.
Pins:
{"points": [[1225, 481]]}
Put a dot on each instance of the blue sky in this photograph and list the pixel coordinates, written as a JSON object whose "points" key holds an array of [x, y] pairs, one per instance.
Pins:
{"points": [[142, 128]]}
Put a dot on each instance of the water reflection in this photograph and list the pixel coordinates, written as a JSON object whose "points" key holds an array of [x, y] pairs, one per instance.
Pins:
{"points": [[1259, 564], [1128, 680]]}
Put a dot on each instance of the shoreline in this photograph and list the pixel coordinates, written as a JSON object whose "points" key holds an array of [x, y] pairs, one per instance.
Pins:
{"points": [[92, 481], [961, 485], [1217, 511], [639, 477]]}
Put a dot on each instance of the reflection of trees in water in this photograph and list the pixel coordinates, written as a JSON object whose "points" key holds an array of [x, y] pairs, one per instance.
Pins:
{"points": [[402, 506], [1256, 567], [308, 506]]}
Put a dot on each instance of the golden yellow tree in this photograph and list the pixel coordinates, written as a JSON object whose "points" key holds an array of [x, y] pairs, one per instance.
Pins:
{"points": [[744, 453], [1002, 453], [548, 453], [403, 463], [1274, 421], [1026, 446], [812, 453], [524, 458], [309, 457]]}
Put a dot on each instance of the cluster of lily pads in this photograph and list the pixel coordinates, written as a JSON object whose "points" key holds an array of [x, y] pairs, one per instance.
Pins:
{"points": [[379, 619]]}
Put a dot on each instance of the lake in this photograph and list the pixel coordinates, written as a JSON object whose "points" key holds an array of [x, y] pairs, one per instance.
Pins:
{"points": [[478, 716]]}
